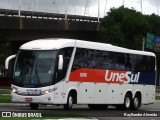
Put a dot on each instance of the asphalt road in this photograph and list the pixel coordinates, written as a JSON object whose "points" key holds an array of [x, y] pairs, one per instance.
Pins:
{"points": [[146, 112]]}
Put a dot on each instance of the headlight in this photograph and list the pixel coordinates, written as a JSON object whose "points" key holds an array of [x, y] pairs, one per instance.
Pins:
{"points": [[45, 92], [14, 90]]}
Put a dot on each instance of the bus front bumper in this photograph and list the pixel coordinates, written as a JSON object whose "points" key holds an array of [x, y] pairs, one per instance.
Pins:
{"points": [[42, 99]]}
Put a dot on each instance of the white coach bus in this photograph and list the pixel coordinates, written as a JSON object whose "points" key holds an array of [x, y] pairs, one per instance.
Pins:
{"points": [[67, 72]]}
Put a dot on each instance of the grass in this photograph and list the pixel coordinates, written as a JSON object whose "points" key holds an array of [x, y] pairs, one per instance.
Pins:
{"points": [[157, 97], [5, 98]]}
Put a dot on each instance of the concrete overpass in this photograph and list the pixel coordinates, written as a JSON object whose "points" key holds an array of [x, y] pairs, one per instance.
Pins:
{"points": [[30, 25]]}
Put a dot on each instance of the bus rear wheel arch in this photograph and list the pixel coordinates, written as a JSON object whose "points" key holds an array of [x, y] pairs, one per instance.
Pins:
{"points": [[127, 102], [130, 102]]}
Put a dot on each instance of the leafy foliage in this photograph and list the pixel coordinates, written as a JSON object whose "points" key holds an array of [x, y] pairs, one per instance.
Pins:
{"points": [[124, 27], [154, 21]]}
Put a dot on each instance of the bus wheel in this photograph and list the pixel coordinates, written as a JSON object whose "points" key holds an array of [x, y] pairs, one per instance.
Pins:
{"points": [[127, 102], [69, 103], [34, 106], [135, 103]]}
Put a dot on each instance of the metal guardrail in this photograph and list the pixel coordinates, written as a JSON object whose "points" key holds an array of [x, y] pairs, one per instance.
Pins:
{"points": [[44, 15], [5, 91]]}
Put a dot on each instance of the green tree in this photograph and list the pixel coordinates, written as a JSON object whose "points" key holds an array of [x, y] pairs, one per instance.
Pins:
{"points": [[154, 22], [124, 27]]}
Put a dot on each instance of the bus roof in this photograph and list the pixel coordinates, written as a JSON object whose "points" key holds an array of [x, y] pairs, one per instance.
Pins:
{"points": [[57, 43]]}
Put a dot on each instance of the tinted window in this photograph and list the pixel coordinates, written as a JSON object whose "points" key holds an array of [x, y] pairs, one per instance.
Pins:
{"points": [[96, 59]]}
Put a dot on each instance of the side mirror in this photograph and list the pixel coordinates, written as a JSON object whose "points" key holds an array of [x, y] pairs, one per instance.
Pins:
{"points": [[60, 62], [7, 61]]}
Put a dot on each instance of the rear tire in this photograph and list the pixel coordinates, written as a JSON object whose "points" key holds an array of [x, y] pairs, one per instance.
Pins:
{"points": [[69, 104], [127, 102], [34, 106], [136, 102]]}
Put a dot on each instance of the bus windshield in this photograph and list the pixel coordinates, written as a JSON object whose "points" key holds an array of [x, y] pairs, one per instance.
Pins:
{"points": [[34, 68]]}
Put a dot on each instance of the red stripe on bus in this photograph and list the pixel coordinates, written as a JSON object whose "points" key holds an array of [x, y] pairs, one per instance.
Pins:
{"points": [[96, 75]]}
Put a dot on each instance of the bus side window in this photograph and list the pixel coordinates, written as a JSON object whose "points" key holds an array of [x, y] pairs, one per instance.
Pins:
{"points": [[79, 59], [151, 64]]}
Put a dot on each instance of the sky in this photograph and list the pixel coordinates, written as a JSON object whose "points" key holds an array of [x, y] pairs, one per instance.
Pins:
{"points": [[82, 7]]}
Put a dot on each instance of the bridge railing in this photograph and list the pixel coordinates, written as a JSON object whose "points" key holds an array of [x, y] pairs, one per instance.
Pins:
{"points": [[44, 15]]}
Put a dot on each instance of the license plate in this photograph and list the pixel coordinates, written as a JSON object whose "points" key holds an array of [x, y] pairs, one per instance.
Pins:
{"points": [[28, 99]]}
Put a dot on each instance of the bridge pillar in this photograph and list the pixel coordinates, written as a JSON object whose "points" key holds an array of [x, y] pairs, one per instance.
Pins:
{"points": [[98, 26], [66, 24]]}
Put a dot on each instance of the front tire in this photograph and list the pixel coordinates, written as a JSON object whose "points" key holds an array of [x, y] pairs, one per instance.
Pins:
{"points": [[34, 106], [69, 104]]}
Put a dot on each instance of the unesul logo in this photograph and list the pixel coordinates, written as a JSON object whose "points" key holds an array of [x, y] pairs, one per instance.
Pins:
{"points": [[113, 76]]}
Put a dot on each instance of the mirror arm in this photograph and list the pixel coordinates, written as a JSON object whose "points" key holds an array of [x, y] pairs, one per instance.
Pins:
{"points": [[7, 61]]}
